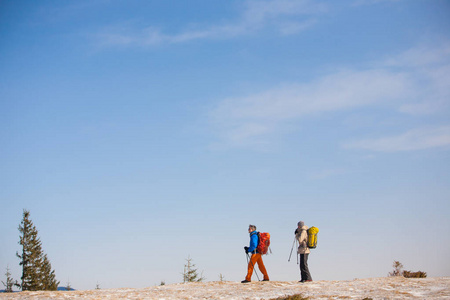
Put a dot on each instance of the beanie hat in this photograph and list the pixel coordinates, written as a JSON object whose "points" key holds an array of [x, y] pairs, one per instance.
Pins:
{"points": [[301, 224]]}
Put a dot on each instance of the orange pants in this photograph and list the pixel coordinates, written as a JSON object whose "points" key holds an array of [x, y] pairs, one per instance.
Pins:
{"points": [[256, 259]]}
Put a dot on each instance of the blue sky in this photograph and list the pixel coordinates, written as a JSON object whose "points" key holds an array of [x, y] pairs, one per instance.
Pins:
{"points": [[139, 133]]}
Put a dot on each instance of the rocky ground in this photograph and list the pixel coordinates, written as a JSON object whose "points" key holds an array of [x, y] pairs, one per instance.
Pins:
{"points": [[374, 288]]}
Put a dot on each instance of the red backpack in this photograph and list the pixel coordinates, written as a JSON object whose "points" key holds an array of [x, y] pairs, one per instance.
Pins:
{"points": [[263, 242]]}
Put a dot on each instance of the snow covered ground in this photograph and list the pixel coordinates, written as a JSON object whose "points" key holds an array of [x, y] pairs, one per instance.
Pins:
{"points": [[375, 288]]}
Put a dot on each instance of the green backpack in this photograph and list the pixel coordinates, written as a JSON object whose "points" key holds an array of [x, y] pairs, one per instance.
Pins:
{"points": [[312, 237]]}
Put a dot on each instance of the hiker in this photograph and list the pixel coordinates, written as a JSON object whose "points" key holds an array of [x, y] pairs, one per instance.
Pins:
{"points": [[256, 257], [301, 235]]}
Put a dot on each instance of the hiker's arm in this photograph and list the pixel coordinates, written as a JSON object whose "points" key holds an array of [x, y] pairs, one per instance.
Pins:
{"points": [[303, 239], [253, 243]]}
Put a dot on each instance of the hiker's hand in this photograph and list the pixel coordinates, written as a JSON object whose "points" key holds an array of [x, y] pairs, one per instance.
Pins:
{"points": [[246, 249]]}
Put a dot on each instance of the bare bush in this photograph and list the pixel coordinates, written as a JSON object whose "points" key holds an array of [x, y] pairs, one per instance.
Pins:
{"points": [[398, 269]]}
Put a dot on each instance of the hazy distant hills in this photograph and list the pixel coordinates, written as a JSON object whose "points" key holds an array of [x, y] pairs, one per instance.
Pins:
{"points": [[61, 288]]}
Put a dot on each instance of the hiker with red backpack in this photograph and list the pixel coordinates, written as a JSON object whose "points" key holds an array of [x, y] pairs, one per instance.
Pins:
{"points": [[301, 234], [256, 258]]}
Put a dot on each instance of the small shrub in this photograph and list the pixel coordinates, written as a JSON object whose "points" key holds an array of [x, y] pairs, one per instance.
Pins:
{"points": [[10, 282], [398, 271], [418, 274]]}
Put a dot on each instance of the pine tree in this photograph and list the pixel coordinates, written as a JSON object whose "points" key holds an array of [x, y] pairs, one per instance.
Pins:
{"points": [[10, 282], [68, 286], [190, 274], [48, 275], [37, 273]]}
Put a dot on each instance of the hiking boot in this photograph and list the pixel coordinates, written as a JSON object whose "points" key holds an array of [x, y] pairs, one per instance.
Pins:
{"points": [[265, 280], [245, 281]]}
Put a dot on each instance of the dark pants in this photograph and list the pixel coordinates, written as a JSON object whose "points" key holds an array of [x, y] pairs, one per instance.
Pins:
{"points": [[304, 271]]}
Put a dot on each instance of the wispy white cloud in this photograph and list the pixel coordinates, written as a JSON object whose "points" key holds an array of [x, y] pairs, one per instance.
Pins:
{"points": [[287, 16], [394, 84], [416, 139], [420, 56], [272, 109], [258, 13], [429, 68], [337, 91]]}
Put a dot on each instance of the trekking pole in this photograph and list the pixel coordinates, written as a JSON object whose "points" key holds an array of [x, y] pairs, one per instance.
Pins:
{"points": [[253, 266], [291, 250]]}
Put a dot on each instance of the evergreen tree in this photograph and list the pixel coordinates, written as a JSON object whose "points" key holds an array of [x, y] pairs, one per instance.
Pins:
{"points": [[10, 282], [37, 273], [68, 286], [48, 275], [190, 274]]}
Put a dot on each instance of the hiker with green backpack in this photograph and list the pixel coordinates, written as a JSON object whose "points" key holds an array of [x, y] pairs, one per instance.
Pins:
{"points": [[301, 235]]}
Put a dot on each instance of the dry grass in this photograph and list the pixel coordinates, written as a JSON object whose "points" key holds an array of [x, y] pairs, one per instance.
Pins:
{"points": [[292, 297]]}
